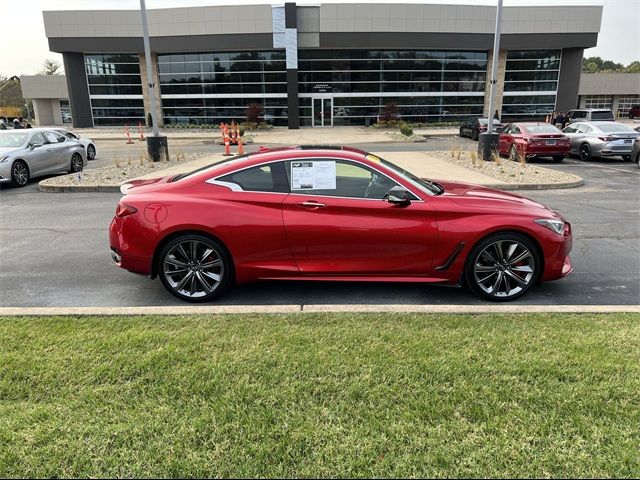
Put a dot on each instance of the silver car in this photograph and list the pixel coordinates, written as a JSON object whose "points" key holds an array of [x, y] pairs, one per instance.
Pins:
{"points": [[87, 143], [34, 152], [601, 139]]}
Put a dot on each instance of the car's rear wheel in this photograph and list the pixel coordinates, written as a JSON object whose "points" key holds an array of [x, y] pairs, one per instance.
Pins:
{"points": [[19, 174], [585, 152], [502, 267], [195, 268], [558, 158], [91, 152], [76, 163]]}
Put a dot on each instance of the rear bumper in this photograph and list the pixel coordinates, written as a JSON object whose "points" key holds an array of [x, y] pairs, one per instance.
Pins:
{"points": [[124, 254], [549, 151]]}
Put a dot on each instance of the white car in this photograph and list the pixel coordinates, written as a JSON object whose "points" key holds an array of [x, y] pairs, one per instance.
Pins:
{"points": [[87, 143]]}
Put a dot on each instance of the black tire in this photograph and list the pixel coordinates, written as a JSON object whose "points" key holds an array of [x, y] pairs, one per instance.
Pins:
{"points": [[77, 164], [170, 268], [558, 158], [91, 152], [585, 152], [626, 158], [19, 174], [478, 260]]}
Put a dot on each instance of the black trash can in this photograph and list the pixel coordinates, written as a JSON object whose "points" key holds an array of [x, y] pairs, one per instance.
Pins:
{"points": [[158, 148]]}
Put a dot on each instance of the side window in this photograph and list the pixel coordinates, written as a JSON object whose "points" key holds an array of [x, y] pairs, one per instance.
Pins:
{"points": [[515, 130], [37, 138], [263, 178], [351, 180], [569, 130], [53, 137], [580, 114]]}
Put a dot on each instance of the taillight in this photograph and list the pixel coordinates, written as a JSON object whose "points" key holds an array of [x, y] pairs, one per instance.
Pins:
{"points": [[606, 139], [122, 210]]}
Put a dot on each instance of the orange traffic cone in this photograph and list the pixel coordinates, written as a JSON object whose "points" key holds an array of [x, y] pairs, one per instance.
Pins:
{"points": [[240, 146], [227, 149], [126, 128], [140, 130]]}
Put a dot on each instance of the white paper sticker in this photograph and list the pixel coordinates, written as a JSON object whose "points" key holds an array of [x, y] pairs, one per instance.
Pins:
{"points": [[313, 175]]}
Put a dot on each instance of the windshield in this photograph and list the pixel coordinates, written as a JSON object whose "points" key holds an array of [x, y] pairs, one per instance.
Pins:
{"points": [[541, 128], [12, 139], [615, 127], [425, 185]]}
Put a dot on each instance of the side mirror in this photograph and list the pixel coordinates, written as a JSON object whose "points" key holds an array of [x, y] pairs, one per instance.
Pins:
{"points": [[398, 196]]}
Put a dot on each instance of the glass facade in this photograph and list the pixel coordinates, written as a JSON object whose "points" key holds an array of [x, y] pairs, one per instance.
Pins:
{"points": [[530, 84], [625, 103], [209, 88], [426, 85], [115, 89]]}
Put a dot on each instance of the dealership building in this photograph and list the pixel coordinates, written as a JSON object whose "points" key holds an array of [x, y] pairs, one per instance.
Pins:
{"points": [[321, 65]]}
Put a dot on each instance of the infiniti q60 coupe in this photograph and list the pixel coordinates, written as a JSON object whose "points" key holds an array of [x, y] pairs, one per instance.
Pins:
{"points": [[334, 214]]}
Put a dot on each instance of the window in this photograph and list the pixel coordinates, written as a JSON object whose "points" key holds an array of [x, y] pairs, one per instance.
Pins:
{"points": [[352, 181], [570, 129], [598, 101], [37, 139], [53, 137], [263, 178], [578, 114]]}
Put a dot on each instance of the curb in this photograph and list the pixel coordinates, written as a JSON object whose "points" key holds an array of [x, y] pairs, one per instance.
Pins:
{"points": [[386, 308], [499, 186]]}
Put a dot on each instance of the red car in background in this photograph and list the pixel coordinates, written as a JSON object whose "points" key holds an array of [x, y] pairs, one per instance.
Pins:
{"points": [[332, 213], [534, 140]]}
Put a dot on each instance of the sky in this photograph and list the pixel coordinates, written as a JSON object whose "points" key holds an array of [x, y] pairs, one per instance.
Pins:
{"points": [[25, 47]]}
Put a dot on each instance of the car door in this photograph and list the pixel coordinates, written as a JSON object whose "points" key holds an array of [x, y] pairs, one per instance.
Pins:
{"points": [[37, 155], [347, 228], [571, 131], [252, 223], [504, 142], [59, 153]]}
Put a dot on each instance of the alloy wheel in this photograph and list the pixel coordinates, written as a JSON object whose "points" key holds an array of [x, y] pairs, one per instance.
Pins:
{"points": [[76, 163], [585, 152], [504, 269], [193, 269], [91, 152], [20, 174]]}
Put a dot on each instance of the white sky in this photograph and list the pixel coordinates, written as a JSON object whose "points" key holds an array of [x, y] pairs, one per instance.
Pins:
{"points": [[24, 45]]}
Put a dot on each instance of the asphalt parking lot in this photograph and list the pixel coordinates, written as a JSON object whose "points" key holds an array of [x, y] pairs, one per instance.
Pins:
{"points": [[54, 250]]}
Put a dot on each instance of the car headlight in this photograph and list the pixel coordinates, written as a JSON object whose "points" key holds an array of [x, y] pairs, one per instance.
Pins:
{"points": [[552, 224], [4, 159]]}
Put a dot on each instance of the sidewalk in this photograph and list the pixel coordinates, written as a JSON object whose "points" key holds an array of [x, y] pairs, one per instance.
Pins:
{"points": [[279, 135]]}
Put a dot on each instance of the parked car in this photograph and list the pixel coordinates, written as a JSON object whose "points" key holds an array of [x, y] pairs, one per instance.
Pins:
{"points": [[474, 126], [588, 115], [31, 153], [635, 153], [601, 139], [634, 112], [530, 140], [332, 213], [88, 144]]}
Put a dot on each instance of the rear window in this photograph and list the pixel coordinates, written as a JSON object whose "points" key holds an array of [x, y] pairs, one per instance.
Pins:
{"points": [[542, 128], [615, 127], [601, 115], [579, 114]]}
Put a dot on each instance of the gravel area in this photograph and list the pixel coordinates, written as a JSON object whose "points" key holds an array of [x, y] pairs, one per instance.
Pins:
{"points": [[506, 170], [126, 169]]}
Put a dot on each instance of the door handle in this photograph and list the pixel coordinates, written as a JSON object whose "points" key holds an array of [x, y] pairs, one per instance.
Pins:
{"points": [[49, 149], [311, 204]]}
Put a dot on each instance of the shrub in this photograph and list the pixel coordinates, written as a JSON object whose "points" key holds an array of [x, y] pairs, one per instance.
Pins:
{"points": [[406, 130], [389, 112], [253, 112]]}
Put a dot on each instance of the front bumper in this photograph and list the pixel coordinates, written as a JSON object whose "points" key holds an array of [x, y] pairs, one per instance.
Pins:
{"points": [[5, 172]]}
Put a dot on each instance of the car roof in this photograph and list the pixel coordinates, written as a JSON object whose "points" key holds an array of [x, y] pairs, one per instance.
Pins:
{"points": [[266, 155]]}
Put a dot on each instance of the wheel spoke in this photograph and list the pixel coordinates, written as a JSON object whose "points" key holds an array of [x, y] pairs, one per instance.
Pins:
{"points": [[523, 268], [482, 280], [498, 246], [214, 263], [486, 252], [213, 276], [516, 278], [184, 253], [511, 250], [207, 252], [172, 260], [485, 268], [203, 282], [184, 280], [497, 282], [521, 257]]}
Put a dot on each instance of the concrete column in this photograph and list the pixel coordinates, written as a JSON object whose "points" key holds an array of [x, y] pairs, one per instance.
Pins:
{"points": [[291, 30], [57, 113], [502, 66], [43, 112], [615, 104], [145, 89], [569, 79], [78, 89]]}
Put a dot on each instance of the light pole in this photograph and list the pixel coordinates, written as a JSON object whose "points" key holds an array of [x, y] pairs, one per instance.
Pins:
{"points": [[157, 144], [488, 142]]}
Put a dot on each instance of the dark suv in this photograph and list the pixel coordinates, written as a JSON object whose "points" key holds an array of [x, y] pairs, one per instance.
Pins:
{"points": [[589, 115], [474, 126]]}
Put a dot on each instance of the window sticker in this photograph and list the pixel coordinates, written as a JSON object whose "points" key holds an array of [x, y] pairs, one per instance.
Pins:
{"points": [[313, 175], [373, 158]]}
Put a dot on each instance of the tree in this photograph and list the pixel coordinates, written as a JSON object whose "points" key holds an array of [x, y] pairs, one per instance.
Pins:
{"points": [[597, 64], [50, 67]]}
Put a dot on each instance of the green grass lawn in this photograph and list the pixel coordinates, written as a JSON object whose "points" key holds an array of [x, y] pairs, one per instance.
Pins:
{"points": [[309, 395]]}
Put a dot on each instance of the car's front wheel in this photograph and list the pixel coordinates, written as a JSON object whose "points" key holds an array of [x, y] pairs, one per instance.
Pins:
{"points": [[502, 267], [91, 152], [19, 174], [195, 268], [585, 152]]}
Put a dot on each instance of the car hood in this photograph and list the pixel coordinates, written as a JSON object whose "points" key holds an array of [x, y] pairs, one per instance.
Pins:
{"points": [[470, 195], [8, 150]]}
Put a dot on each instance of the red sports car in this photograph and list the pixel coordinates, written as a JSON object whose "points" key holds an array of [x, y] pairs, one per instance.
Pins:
{"points": [[534, 140], [332, 213]]}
